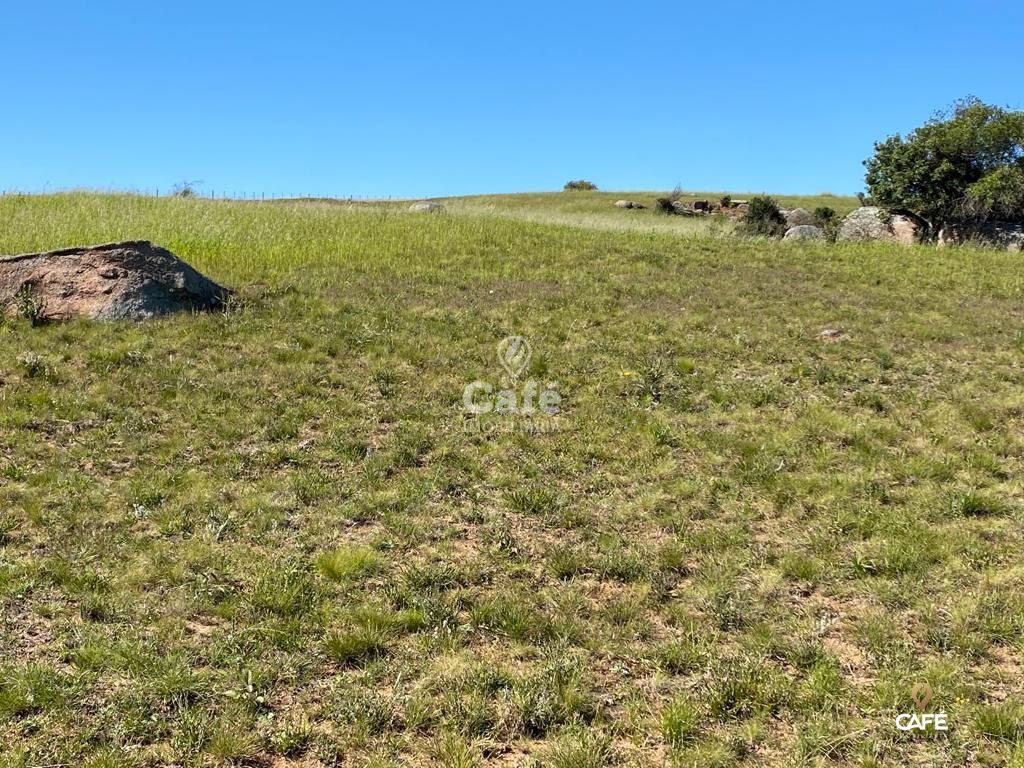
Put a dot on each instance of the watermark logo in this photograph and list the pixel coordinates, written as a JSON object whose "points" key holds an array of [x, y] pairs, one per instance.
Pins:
{"points": [[514, 353], [922, 695], [513, 403]]}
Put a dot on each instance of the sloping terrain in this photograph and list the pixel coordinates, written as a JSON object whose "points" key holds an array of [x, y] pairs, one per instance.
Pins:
{"points": [[275, 536]]}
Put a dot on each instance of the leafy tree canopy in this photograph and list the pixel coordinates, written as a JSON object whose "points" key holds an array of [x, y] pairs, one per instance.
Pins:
{"points": [[962, 168]]}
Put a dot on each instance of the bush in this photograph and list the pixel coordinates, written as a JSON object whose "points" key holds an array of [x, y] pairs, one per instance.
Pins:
{"points": [[184, 189], [580, 186], [763, 219], [30, 305], [667, 204], [828, 220], [664, 205]]}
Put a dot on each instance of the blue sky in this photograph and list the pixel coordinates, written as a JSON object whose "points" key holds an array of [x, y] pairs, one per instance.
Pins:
{"points": [[424, 98]]}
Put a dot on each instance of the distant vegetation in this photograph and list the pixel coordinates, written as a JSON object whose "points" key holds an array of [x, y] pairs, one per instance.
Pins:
{"points": [[668, 204], [184, 189], [962, 169], [580, 185], [764, 219]]}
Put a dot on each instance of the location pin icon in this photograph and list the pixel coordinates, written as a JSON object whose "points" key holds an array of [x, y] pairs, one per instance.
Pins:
{"points": [[922, 695], [514, 354]]}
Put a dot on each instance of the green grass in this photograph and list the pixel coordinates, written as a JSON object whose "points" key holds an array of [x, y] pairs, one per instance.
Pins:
{"points": [[267, 537], [596, 210]]}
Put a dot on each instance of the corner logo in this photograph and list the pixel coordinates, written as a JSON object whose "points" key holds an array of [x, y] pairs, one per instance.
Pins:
{"points": [[922, 695]]}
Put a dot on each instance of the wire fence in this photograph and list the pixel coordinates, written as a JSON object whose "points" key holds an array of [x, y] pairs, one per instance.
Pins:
{"points": [[197, 194]]}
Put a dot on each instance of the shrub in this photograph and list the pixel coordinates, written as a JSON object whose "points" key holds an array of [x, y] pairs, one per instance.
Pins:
{"points": [[763, 219], [664, 205], [184, 189], [580, 185], [667, 205], [30, 305], [36, 367], [828, 220]]}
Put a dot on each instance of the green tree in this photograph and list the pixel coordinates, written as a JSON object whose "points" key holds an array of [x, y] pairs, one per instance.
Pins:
{"points": [[961, 169]]}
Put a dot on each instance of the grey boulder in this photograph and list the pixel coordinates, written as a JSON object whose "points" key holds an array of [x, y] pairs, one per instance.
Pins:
{"points": [[133, 280], [799, 217], [875, 224], [805, 232]]}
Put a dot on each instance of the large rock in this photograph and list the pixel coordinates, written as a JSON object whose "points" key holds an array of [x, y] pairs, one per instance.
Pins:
{"points": [[871, 223], [799, 217], [905, 230], [804, 232], [426, 206], [120, 281]]}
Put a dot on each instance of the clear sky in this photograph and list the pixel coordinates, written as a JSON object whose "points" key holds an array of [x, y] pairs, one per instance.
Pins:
{"points": [[410, 99]]}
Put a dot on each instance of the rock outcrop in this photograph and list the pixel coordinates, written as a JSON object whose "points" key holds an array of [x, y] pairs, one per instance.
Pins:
{"points": [[134, 280], [871, 223]]}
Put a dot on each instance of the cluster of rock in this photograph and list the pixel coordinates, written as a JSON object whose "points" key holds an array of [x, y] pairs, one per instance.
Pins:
{"points": [[734, 208], [801, 225], [119, 281], [864, 224]]}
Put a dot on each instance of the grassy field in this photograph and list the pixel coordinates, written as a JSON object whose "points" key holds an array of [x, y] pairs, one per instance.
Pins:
{"points": [[273, 536]]}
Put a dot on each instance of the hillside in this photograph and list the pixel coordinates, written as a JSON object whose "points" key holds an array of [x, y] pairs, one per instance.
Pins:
{"points": [[276, 536], [592, 210]]}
